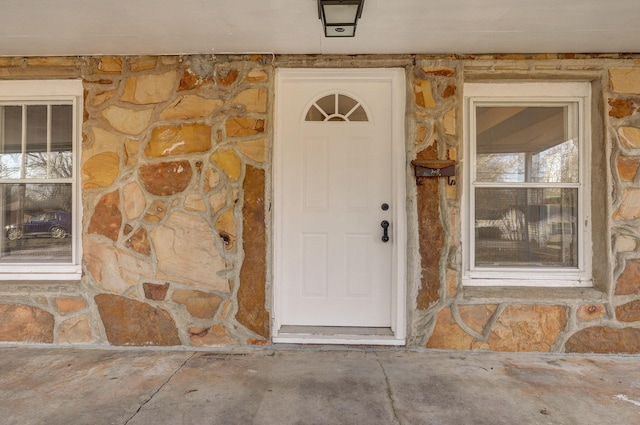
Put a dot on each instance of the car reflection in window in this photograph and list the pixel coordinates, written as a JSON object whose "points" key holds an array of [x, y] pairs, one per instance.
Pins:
{"points": [[52, 224]]}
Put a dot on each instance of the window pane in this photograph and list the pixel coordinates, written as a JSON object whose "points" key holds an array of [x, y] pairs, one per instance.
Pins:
{"points": [[36, 166], [11, 139], [328, 104], [37, 223], [60, 157], [526, 144], [524, 227]]}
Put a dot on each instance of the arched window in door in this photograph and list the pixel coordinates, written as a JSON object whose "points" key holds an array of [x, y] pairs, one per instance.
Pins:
{"points": [[336, 107]]}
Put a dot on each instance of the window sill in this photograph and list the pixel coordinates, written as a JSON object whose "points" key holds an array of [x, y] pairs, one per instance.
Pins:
{"points": [[40, 287], [497, 294]]}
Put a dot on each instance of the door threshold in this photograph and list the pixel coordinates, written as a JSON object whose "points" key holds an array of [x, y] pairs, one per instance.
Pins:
{"points": [[336, 335]]}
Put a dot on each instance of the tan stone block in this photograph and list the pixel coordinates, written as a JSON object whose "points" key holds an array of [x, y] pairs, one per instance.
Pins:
{"points": [[421, 133], [452, 154], [604, 340], [630, 207], [131, 322], [217, 201], [244, 126], [167, 178], [449, 91], [100, 170], [134, 200], [476, 316], [629, 137], [112, 269], [190, 107], [178, 140], [103, 141], [591, 312], [127, 120], [226, 227], [442, 71], [254, 149], [215, 336], [65, 61], [150, 89], [70, 304], [131, 148], [76, 330], [625, 80], [627, 167], [211, 180], [225, 310], [107, 219], [139, 242], [620, 108], [99, 98], [629, 280], [194, 203], [448, 335], [226, 77], [186, 253], [229, 162], [110, 65], [22, 323], [252, 298], [156, 212], [190, 81], [424, 94], [625, 243], [142, 63], [449, 122], [154, 291], [629, 312], [528, 328], [254, 100], [257, 75], [199, 304]]}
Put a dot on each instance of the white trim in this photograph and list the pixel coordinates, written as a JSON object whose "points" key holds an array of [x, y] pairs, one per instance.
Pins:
{"points": [[283, 338], [396, 78], [48, 92], [576, 93]]}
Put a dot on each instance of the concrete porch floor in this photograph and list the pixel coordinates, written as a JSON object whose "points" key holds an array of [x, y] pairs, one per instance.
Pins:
{"points": [[56, 386]]}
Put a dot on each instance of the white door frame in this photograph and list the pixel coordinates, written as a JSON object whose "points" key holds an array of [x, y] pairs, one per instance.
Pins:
{"points": [[396, 78]]}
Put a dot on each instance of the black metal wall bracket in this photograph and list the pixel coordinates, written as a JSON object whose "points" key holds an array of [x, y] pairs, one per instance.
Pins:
{"points": [[435, 168]]}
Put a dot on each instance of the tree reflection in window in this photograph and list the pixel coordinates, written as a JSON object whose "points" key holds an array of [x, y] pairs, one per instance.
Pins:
{"points": [[336, 107]]}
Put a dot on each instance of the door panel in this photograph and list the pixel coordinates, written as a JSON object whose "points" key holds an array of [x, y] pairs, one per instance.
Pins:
{"points": [[332, 267]]}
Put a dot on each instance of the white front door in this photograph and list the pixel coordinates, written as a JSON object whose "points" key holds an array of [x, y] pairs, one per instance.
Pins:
{"points": [[339, 199]]}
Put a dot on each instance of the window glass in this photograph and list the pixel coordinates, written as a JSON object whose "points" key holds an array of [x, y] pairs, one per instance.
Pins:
{"points": [[38, 223], [11, 137], [37, 216], [527, 200], [526, 144], [525, 227]]}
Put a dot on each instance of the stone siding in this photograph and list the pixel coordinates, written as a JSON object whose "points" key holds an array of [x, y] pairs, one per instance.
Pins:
{"points": [[175, 178]]}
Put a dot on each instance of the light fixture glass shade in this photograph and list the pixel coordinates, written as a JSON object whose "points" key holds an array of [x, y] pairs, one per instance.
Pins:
{"points": [[339, 17], [340, 13], [340, 31]]}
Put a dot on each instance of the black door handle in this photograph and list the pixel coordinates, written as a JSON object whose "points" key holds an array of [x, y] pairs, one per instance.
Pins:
{"points": [[385, 226]]}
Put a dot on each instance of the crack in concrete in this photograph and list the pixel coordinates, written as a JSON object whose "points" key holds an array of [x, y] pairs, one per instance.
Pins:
{"points": [[389, 392], [144, 403]]}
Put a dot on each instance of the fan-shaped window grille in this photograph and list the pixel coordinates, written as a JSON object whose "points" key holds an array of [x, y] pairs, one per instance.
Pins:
{"points": [[336, 107]]}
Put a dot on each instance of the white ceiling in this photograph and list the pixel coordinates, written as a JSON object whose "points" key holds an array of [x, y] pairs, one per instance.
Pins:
{"points": [[132, 27]]}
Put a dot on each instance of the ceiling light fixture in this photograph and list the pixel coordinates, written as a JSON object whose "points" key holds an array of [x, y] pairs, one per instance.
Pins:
{"points": [[339, 17]]}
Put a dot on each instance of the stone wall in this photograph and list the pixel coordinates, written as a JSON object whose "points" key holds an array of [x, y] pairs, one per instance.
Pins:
{"points": [[175, 176]]}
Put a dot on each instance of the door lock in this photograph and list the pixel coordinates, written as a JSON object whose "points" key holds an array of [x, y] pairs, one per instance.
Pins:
{"points": [[385, 226]]}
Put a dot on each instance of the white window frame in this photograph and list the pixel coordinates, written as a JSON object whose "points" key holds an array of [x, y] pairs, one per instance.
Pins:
{"points": [[541, 93], [34, 91]]}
